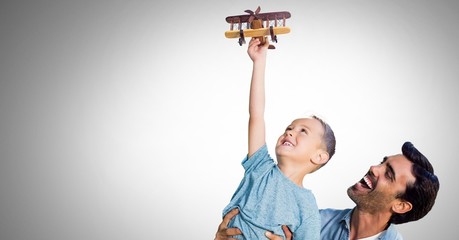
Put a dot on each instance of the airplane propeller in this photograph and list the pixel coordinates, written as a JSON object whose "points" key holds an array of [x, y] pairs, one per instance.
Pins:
{"points": [[253, 15]]}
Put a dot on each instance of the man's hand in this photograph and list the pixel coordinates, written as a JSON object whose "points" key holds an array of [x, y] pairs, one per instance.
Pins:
{"points": [[288, 234], [223, 231]]}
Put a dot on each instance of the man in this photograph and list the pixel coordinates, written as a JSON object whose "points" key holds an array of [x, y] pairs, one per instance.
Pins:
{"points": [[401, 189]]}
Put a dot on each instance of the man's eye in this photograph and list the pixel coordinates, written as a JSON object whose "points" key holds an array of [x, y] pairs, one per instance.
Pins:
{"points": [[389, 176]]}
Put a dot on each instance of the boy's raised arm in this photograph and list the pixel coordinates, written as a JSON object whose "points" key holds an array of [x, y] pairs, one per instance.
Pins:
{"points": [[257, 95]]}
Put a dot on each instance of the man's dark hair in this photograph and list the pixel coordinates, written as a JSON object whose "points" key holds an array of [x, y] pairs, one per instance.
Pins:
{"points": [[423, 192]]}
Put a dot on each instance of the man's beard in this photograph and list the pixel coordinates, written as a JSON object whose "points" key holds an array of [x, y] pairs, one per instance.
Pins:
{"points": [[372, 202]]}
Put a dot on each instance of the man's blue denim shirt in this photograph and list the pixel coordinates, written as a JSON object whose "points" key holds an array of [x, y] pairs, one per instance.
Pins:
{"points": [[336, 226]]}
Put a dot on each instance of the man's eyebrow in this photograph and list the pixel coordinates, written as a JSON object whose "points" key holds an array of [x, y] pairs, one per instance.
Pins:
{"points": [[384, 160]]}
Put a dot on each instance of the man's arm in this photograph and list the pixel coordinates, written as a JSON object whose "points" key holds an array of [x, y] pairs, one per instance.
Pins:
{"points": [[257, 95], [224, 233]]}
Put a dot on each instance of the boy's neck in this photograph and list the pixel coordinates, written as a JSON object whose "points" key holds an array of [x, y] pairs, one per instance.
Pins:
{"points": [[293, 172]]}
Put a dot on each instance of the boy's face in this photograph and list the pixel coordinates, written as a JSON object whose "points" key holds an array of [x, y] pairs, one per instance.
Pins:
{"points": [[301, 140]]}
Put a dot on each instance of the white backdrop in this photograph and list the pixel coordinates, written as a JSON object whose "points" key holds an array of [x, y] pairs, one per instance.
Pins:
{"points": [[128, 119]]}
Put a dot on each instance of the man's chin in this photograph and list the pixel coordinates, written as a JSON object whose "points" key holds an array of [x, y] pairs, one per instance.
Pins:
{"points": [[350, 189], [357, 189], [351, 193]]}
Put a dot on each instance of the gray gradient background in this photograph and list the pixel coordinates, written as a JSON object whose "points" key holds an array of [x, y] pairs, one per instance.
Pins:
{"points": [[128, 119]]}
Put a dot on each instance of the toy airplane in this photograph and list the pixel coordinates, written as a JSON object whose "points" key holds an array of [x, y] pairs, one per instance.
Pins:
{"points": [[256, 24]]}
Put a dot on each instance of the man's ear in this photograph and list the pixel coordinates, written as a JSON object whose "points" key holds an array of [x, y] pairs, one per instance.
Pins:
{"points": [[402, 206], [321, 157]]}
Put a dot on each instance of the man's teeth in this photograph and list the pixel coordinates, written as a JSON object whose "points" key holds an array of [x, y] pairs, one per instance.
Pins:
{"points": [[368, 182]]}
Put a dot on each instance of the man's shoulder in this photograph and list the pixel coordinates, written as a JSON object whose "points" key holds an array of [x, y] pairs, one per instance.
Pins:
{"points": [[392, 233], [328, 212], [335, 219], [335, 223], [334, 216]]}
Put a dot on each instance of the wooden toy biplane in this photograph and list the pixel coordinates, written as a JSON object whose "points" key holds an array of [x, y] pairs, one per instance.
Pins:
{"points": [[256, 24]]}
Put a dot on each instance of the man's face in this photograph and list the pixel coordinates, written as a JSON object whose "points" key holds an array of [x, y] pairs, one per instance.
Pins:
{"points": [[378, 189]]}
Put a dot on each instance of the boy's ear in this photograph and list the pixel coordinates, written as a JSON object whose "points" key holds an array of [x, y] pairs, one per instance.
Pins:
{"points": [[321, 158], [402, 206]]}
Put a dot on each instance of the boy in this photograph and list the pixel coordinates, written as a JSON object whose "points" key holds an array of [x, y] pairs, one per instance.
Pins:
{"points": [[271, 195]]}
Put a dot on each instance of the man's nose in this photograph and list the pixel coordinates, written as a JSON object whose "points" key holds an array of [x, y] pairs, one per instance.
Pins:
{"points": [[375, 169]]}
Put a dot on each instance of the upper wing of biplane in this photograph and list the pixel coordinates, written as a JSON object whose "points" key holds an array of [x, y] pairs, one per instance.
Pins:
{"points": [[256, 24]]}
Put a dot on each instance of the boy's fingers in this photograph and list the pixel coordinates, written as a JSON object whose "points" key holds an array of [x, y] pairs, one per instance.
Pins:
{"points": [[266, 42], [254, 42]]}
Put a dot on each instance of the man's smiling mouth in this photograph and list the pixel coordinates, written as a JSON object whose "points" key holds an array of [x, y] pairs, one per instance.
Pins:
{"points": [[367, 182]]}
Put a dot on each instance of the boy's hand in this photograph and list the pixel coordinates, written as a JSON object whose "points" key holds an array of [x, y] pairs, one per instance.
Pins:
{"points": [[288, 234], [257, 52], [223, 231]]}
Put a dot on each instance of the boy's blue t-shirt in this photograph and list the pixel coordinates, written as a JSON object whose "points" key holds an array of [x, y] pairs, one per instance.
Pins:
{"points": [[267, 200]]}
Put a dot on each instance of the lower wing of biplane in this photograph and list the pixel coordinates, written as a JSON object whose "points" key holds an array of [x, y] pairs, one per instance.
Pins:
{"points": [[256, 24]]}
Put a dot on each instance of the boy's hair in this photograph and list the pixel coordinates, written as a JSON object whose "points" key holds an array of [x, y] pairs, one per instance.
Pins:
{"points": [[422, 193], [328, 137]]}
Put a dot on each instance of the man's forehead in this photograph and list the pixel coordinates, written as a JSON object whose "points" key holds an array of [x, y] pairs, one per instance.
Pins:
{"points": [[401, 166]]}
